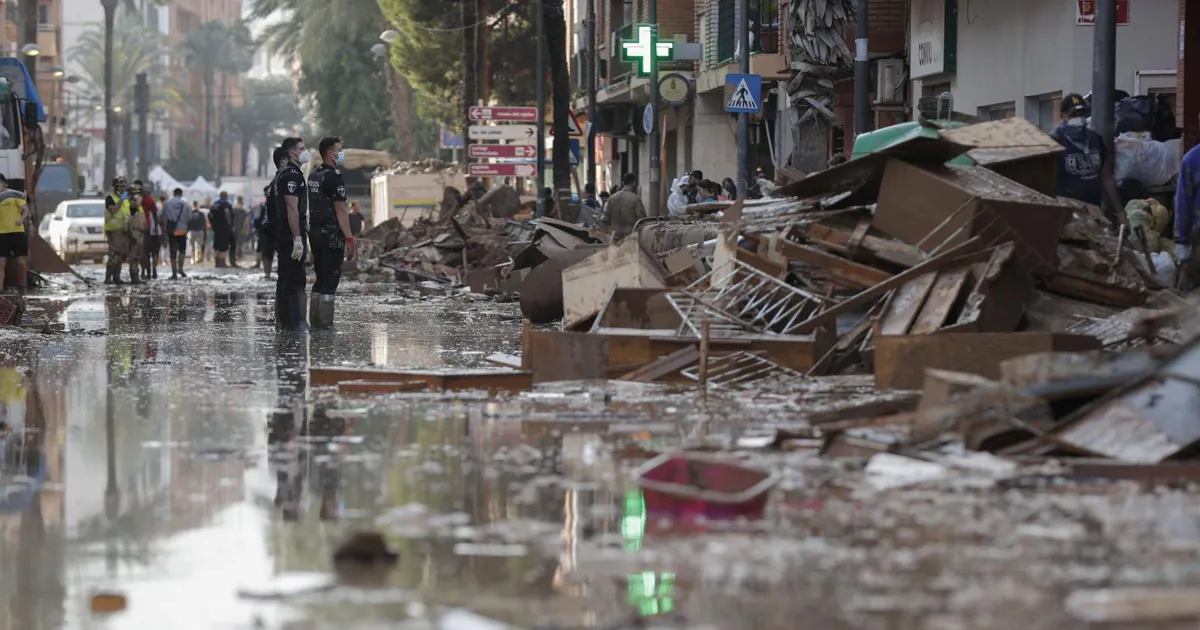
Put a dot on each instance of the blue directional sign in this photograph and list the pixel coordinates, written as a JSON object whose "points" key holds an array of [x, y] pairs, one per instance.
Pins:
{"points": [[743, 93], [451, 140], [575, 153]]}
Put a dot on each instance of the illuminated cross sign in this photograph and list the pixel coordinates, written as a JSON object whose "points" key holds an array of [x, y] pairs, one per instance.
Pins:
{"points": [[639, 50]]}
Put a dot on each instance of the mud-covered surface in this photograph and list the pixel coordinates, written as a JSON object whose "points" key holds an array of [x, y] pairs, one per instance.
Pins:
{"points": [[175, 454]]}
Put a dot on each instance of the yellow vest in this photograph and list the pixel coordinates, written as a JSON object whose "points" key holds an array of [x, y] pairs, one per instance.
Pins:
{"points": [[119, 220]]}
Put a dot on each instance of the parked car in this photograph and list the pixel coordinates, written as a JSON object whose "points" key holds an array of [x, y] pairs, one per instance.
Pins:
{"points": [[77, 230], [44, 228]]}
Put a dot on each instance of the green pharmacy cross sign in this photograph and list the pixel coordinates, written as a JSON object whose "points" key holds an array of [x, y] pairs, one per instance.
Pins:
{"points": [[639, 50]]}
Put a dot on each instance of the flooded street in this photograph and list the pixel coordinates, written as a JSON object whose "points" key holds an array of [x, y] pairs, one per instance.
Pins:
{"points": [[174, 454]]}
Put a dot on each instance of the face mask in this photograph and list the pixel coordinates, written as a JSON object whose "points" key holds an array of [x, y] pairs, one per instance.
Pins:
{"points": [[341, 157], [305, 156], [124, 195]]}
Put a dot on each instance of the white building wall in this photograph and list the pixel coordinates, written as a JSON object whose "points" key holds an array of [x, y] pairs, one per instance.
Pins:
{"points": [[1016, 49]]}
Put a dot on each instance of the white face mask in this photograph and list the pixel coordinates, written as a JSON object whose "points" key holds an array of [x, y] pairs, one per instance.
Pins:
{"points": [[305, 156], [341, 157]]}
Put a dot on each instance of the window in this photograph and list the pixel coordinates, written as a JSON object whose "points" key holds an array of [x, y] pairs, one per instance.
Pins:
{"points": [[90, 210], [1042, 110], [999, 111], [43, 14], [10, 134], [764, 26]]}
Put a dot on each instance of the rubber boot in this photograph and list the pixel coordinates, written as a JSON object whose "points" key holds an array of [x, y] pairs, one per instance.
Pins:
{"points": [[325, 311], [314, 312], [297, 312], [133, 273], [267, 267], [182, 257], [219, 257], [154, 268], [281, 314], [108, 278]]}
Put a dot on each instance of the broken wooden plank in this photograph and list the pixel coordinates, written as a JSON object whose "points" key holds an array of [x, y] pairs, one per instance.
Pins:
{"points": [[862, 298], [371, 388], [504, 360], [941, 299], [842, 271], [901, 361], [905, 304], [664, 366], [456, 380], [885, 249]]}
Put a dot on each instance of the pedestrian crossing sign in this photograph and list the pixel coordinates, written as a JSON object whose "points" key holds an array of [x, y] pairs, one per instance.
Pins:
{"points": [[743, 93]]}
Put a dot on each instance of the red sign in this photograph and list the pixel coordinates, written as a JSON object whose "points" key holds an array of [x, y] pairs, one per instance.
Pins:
{"points": [[1085, 12], [502, 151], [510, 169], [503, 114]]}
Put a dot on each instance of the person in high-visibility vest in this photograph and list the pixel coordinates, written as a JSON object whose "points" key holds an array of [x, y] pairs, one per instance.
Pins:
{"points": [[116, 229]]}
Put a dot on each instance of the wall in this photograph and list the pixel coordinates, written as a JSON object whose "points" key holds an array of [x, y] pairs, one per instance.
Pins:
{"points": [[1011, 50]]}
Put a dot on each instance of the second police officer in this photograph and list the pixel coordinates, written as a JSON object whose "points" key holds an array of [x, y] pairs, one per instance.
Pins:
{"points": [[331, 239], [291, 206]]}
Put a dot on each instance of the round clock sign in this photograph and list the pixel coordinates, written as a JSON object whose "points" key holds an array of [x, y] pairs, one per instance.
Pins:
{"points": [[674, 89]]}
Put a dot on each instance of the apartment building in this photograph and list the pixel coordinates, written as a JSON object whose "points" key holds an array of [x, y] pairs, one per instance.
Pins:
{"points": [[1019, 57]]}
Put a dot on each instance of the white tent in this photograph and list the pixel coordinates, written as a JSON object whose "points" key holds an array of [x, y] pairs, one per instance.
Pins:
{"points": [[163, 181], [201, 188]]}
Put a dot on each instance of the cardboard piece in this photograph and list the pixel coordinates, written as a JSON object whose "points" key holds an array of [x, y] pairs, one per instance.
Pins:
{"points": [[455, 380], [588, 284]]}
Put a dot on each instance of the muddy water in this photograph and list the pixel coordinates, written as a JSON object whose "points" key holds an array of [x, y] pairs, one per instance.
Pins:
{"points": [[174, 453]]}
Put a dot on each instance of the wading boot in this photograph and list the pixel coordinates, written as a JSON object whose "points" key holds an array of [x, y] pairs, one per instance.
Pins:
{"points": [[154, 268], [219, 257], [281, 316], [314, 311], [108, 275], [267, 268], [296, 306], [180, 265], [325, 311], [133, 273]]}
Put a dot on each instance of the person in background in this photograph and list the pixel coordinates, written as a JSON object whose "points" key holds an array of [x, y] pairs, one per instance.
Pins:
{"points": [[730, 188], [357, 220], [264, 225], [175, 226], [682, 194], [154, 232], [694, 179], [138, 228], [220, 217], [116, 230], [545, 205], [1082, 171], [604, 198], [14, 241], [709, 191], [197, 226], [164, 242], [625, 208], [241, 229], [591, 209], [1187, 207]]}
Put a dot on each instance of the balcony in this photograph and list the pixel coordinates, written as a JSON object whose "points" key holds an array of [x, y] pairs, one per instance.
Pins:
{"points": [[765, 28]]}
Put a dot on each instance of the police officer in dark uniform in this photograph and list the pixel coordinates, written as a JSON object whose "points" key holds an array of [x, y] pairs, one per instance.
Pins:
{"points": [[332, 240], [264, 222], [291, 234]]}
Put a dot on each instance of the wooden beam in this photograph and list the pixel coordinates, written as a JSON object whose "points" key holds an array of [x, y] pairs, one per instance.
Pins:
{"points": [[842, 271], [937, 262], [884, 249]]}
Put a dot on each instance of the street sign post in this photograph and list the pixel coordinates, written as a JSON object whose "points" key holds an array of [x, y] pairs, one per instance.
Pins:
{"points": [[743, 93], [482, 151], [573, 127], [503, 114], [503, 169], [524, 133], [575, 149]]}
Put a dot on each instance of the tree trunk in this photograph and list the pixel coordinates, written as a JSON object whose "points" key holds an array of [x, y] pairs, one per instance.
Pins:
{"points": [[110, 137], [811, 147], [470, 16], [560, 90], [403, 116], [222, 161], [265, 168], [483, 35], [245, 155], [208, 115]]}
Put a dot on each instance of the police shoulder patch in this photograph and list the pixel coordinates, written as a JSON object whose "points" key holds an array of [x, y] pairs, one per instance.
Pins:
{"points": [[292, 187], [341, 191]]}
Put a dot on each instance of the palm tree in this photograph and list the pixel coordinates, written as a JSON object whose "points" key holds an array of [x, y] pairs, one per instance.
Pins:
{"points": [[134, 51], [270, 112], [204, 52]]}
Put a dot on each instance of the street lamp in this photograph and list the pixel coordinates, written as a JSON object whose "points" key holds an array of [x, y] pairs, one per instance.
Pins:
{"points": [[30, 50], [57, 72], [379, 49], [117, 109], [390, 35]]}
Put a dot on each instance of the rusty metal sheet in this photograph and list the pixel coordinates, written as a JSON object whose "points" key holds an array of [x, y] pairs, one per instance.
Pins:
{"points": [[637, 307]]}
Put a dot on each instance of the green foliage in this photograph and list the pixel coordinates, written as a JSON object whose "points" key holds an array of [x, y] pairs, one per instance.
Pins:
{"points": [[269, 114], [429, 52], [135, 49], [188, 161], [215, 48], [332, 40]]}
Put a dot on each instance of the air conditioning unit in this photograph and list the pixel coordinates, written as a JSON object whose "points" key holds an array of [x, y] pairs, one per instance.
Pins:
{"points": [[889, 82]]}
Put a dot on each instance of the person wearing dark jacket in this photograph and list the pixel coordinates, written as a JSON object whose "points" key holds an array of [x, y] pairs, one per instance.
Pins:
{"points": [[331, 239], [220, 217], [1084, 169]]}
